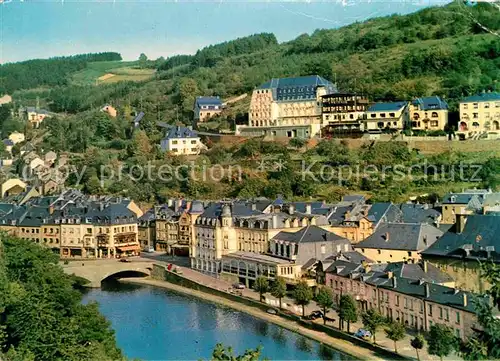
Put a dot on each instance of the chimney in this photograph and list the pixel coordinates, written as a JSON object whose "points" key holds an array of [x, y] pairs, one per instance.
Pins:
{"points": [[427, 291], [101, 206], [188, 205], [465, 299], [460, 220], [156, 211], [275, 221], [308, 209], [51, 209], [291, 209], [254, 207], [394, 282], [386, 236], [170, 202], [425, 267], [390, 274], [425, 240]]}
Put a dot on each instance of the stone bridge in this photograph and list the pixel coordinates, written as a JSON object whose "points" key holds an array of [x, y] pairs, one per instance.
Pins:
{"points": [[97, 271]]}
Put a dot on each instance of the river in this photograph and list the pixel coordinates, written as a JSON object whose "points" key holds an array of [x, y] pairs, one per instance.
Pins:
{"points": [[156, 324]]}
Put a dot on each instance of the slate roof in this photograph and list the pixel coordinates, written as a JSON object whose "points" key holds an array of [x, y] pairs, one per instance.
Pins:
{"points": [[208, 101], [464, 197], [297, 88], [386, 107], [482, 97], [308, 234], [418, 213], [430, 103], [8, 142], [384, 212], [214, 210], [478, 240], [415, 271], [180, 132], [401, 236]]}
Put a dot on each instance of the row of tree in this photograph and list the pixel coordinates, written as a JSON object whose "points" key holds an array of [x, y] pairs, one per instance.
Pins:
{"points": [[441, 339]]}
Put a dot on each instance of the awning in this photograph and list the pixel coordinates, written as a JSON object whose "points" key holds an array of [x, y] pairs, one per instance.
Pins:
{"points": [[128, 248]]}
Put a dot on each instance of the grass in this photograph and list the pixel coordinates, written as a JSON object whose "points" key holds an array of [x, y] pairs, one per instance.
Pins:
{"points": [[122, 71]]}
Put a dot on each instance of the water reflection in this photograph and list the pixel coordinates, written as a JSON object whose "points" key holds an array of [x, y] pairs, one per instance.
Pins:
{"points": [[304, 344], [279, 336]]}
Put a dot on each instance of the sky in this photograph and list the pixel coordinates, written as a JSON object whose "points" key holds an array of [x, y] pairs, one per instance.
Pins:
{"points": [[43, 28]]}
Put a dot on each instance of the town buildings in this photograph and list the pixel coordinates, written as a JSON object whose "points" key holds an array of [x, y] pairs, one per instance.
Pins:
{"points": [[206, 108], [467, 202], [416, 295], [479, 114], [287, 107], [387, 116], [460, 251], [34, 115], [182, 141], [428, 113], [344, 112]]}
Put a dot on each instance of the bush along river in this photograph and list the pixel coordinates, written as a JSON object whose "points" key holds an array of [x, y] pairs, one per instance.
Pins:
{"points": [[156, 324]]}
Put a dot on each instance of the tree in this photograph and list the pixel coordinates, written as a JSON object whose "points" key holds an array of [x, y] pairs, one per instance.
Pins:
{"points": [[348, 310], [222, 353], [324, 299], [278, 289], [483, 345], [297, 142], [441, 340], [418, 343], [261, 285], [143, 58], [395, 331], [302, 295], [372, 321]]}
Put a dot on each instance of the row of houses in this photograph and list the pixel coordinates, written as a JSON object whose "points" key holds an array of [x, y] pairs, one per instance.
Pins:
{"points": [[311, 106], [74, 225]]}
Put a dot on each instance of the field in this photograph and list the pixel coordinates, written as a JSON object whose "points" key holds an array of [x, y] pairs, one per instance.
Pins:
{"points": [[111, 72]]}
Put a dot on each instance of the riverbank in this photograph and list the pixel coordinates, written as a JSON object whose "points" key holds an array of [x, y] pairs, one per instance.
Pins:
{"points": [[346, 347]]}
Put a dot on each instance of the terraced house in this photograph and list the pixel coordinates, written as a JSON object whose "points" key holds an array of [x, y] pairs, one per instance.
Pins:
{"points": [[387, 116], [287, 107], [417, 295], [428, 113]]}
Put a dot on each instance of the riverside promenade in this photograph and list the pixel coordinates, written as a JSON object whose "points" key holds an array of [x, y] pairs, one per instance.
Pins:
{"points": [[358, 352]]}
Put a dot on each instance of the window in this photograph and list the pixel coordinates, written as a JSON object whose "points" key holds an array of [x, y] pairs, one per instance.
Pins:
{"points": [[430, 310], [475, 115], [397, 300], [89, 230], [323, 249], [486, 105], [440, 313], [465, 106], [406, 302], [382, 115], [409, 254], [193, 142], [379, 251], [457, 318], [434, 114], [446, 314], [392, 115], [174, 142], [476, 105]]}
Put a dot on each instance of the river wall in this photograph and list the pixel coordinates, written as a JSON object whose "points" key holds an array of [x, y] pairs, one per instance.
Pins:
{"points": [[161, 273]]}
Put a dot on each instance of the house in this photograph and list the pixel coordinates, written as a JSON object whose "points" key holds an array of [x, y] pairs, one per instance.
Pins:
{"points": [[5, 99], [460, 251], [110, 110], [344, 112], [12, 186], [50, 157], [34, 115], [396, 242], [182, 141], [479, 113], [415, 295], [34, 163], [387, 116], [27, 148], [466, 202], [8, 145], [16, 137], [287, 107], [428, 113], [206, 108]]}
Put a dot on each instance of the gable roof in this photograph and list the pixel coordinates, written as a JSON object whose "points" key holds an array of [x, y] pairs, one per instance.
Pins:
{"points": [[381, 107], [208, 101], [401, 236], [430, 103], [464, 197]]}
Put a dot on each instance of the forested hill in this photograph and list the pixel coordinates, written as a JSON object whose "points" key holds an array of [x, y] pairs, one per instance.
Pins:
{"points": [[46, 72], [450, 51]]}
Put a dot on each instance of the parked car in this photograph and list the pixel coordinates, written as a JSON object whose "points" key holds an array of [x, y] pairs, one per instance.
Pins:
{"points": [[272, 311], [124, 260], [363, 334], [239, 286], [315, 315]]}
